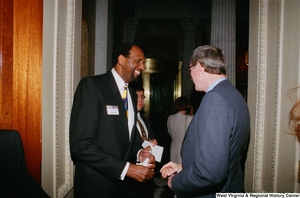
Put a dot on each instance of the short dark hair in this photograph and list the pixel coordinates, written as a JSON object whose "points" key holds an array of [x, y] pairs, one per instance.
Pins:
{"points": [[122, 49], [182, 104], [139, 88], [211, 58]]}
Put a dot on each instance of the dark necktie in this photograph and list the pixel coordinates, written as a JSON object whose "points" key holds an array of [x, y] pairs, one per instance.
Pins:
{"points": [[144, 136], [125, 100]]}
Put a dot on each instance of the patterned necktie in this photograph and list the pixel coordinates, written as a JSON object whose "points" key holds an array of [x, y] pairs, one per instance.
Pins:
{"points": [[125, 100], [144, 136]]}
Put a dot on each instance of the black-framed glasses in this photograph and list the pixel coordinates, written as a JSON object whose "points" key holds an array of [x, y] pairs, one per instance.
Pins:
{"points": [[188, 70]]}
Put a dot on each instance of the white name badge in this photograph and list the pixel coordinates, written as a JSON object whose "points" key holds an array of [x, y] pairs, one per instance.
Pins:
{"points": [[112, 110]]}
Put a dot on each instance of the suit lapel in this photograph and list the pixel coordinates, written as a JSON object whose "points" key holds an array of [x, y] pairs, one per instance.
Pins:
{"points": [[134, 104]]}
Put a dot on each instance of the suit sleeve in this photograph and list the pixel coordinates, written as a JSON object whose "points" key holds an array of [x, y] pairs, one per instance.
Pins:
{"points": [[206, 148], [86, 148]]}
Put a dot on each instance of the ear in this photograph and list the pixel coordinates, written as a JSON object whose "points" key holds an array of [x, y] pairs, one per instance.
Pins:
{"points": [[121, 59], [200, 65], [200, 68]]}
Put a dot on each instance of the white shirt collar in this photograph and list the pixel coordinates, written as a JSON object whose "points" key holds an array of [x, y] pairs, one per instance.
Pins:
{"points": [[120, 82]]}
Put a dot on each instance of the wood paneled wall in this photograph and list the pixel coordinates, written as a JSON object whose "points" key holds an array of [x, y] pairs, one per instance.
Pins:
{"points": [[21, 75]]}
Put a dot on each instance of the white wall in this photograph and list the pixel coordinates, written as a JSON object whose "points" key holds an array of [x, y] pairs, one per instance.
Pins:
{"points": [[274, 43], [61, 73]]}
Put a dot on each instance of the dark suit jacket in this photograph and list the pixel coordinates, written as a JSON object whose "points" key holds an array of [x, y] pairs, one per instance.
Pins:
{"points": [[142, 189], [99, 141], [213, 145]]}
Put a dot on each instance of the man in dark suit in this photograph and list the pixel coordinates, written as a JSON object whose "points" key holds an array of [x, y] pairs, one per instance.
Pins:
{"points": [[218, 135], [144, 189], [146, 127], [103, 130]]}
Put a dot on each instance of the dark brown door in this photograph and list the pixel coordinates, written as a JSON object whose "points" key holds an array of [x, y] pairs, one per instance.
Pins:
{"points": [[21, 75]]}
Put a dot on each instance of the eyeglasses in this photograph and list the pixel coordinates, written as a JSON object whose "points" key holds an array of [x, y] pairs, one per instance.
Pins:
{"points": [[188, 70], [141, 96]]}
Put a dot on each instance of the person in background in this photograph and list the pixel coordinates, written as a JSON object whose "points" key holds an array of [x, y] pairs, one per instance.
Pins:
{"points": [[148, 135], [294, 116], [217, 136], [103, 130], [144, 189], [177, 125]]}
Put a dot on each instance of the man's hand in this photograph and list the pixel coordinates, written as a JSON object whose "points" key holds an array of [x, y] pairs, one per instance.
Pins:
{"points": [[170, 181], [153, 141], [141, 173], [169, 169], [146, 153]]}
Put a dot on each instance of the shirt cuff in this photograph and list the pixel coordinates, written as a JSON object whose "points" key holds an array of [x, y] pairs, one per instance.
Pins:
{"points": [[123, 174]]}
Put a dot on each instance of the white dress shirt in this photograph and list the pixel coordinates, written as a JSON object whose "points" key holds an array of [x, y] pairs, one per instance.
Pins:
{"points": [[120, 83]]}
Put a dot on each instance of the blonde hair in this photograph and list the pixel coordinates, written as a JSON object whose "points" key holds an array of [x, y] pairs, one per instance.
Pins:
{"points": [[294, 115]]}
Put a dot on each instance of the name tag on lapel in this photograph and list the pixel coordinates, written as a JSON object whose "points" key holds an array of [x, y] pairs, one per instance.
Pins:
{"points": [[112, 110]]}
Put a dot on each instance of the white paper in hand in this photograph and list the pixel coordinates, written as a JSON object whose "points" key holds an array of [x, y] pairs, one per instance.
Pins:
{"points": [[157, 150], [144, 163]]}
